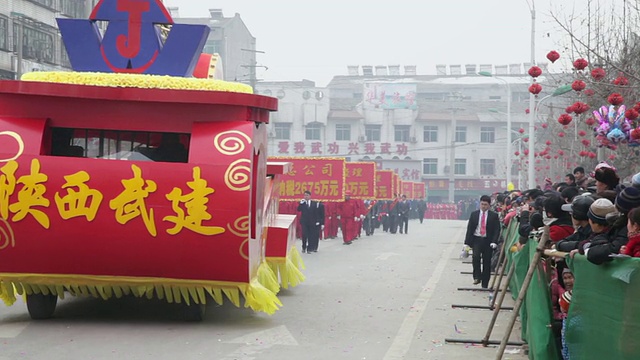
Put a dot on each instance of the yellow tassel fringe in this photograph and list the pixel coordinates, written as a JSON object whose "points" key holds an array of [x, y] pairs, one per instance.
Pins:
{"points": [[288, 269], [256, 295], [268, 278]]}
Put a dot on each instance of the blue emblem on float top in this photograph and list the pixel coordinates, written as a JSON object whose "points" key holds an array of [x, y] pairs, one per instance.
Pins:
{"points": [[132, 42]]}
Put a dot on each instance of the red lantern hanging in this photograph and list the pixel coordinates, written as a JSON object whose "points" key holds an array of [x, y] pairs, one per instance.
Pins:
{"points": [[569, 109], [580, 64], [637, 107], [521, 131], [580, 107], [635, 133], [592, 155], [560, 152], [535, 71], [548, 157], [621, 81], [544, 125], [517, 153], [526, 111], [535, 89], [586, 142], [612, 157], [589, 92], [615, 99], [525, 139], [598, 74], [565, 119], [526, 153], [553, 56], [613, 147], [561, 134], [582, 133], [583, 153], [548, 142], [578, 85], [555, 156], [590, 121], [631, 114]]}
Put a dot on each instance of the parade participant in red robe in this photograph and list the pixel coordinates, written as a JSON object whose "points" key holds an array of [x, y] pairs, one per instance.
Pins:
{"points": [[349, 216]]}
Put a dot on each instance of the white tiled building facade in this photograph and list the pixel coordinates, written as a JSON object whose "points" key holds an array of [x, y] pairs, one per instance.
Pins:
{"points": [[404, 122], [42, 48]]}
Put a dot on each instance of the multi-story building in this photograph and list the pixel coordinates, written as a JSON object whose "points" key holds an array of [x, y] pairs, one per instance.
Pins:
{"points": [[231, 39], [42, 47], [406, 122]]}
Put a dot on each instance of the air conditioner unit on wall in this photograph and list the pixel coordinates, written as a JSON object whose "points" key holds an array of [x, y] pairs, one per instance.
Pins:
{"points": [[413, 140], [362, 138]]}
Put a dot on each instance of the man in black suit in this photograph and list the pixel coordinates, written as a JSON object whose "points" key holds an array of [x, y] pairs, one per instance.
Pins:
{"points": [[483, 231], [312, 221]]}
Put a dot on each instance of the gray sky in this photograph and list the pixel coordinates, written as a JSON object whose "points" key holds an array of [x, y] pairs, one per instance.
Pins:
{"points": [[316, 40]]}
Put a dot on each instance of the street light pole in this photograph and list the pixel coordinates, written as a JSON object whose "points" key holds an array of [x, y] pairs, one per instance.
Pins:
{"points": [[532, 108], [509, 159], [455, 97]]}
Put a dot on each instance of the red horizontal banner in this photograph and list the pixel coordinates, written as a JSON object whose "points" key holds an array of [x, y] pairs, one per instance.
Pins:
{"points": [[407, 189], [361, 180], [384, 185], [419, 190], [324, 177]]}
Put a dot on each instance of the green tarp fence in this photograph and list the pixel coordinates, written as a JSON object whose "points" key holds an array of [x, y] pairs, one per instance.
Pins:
{"points": [[536, 313], [604, 316]]}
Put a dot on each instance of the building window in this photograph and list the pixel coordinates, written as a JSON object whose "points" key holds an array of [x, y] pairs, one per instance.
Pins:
{"points": [[430, 133], [64, 57], [343, 132], [120, 145], [283, 131], [402, 133], [213, 47], [372, 132], [36, 44], [495, 97], [487, 166], [4, 30], [487, 135], [461, 134], [74, 8], [47, 3], [430, 166], [312, 131], [460, 167]]}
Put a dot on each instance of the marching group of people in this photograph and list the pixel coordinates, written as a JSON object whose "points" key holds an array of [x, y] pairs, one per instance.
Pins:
{"points": [[318, 220], [596, 216]]}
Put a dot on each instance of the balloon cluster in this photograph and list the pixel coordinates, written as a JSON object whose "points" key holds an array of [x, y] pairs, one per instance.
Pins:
{"points": [[613, 127]]}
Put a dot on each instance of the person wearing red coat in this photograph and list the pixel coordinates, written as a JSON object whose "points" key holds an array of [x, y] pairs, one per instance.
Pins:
{"points": [[349, 217], [633, 226]]}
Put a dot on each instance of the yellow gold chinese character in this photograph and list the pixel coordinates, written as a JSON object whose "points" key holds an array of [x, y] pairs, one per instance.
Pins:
{"points": [[327, 170], [7, 186], [130, 203], [83, 202], [196, 205], [357, 172], [363, 188], [308, 169], [291, 186], [31, 195]]}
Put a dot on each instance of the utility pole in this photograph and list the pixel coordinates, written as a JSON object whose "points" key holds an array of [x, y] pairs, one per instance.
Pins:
{"points": [[19, 46], [252, 67], [454, 97]]}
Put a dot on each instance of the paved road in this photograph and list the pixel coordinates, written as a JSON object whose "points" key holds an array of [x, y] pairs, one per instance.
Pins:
{"points": [[384, 297]]}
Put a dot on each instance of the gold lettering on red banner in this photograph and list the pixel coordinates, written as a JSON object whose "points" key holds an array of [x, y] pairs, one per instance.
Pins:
{"points": [[131, 201], [80, 200], [195, 204], [31, 195]]}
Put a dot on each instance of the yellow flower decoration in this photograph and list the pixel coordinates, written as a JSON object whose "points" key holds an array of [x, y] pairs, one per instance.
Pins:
{"points": [[136, 81]]}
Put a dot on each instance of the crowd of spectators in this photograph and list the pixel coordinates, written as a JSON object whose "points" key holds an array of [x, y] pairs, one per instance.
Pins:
{"points": [[595, 216]]}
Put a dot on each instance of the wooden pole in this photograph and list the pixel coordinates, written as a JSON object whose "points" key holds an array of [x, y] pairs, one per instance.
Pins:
{"points": [[499, 264], [497, 288], [497, 309], [523, 291]]}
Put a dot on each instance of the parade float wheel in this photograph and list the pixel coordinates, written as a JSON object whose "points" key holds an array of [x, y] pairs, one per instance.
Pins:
{"points": [[193, 312], [41, 306]]}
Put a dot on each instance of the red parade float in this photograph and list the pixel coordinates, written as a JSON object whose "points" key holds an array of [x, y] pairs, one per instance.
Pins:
{"points": [[116, 190]]}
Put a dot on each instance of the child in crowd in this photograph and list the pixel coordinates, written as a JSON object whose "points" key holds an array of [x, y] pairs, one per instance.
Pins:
{"points": [[633, 226]]}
